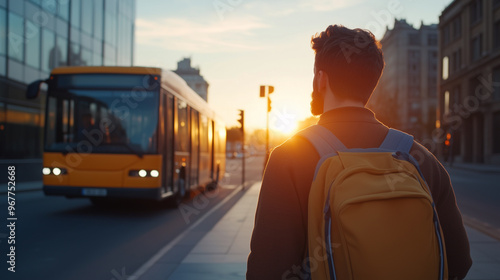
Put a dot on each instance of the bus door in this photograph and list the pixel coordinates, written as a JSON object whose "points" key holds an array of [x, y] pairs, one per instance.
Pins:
{"points": [[182, 145], [195, 149], [212, 149], [168, 155]]}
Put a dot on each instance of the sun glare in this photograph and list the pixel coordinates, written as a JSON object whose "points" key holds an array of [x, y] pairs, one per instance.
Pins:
{"points": [[284, 122]]}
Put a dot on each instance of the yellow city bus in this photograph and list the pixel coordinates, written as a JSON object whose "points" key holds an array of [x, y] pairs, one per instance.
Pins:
{"points": [[127, 132]]}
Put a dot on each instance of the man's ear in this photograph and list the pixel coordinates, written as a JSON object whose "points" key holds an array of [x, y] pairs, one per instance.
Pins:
{"points": [[323, 82]]}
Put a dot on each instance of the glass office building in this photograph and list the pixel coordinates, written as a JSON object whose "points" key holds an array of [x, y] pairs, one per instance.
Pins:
{"points": [[39, 35]]}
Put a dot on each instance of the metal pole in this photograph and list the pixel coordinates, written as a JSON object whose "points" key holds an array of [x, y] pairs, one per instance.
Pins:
{"points": [[267, 128], [243, 158]]}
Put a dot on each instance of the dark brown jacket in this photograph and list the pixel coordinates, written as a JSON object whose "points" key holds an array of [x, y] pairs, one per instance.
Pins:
{"points": [[278, 245]]}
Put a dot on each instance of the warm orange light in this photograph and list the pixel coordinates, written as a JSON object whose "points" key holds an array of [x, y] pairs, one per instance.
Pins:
{"points": [[438, 124], [447, 142], [448, 136], [156, 78], [285, 126]]}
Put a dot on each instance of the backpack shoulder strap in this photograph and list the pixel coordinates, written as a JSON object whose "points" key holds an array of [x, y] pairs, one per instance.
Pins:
{"points": [[397, 141], [323, 140]]}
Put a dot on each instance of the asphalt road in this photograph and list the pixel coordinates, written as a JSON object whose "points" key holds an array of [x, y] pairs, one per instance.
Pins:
{"points": [[478, 195], [59, 238]]}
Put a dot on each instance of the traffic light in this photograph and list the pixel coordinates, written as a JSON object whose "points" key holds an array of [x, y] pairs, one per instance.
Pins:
{"points": [[268, 104], [270, 89], [242, 120], [447, 141]]}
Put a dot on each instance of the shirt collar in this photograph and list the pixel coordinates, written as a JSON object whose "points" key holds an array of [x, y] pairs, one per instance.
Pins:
{"points": [[348, 114]]}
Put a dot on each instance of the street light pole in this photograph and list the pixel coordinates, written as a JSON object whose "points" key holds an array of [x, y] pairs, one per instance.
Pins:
{"points": [[264, 93], [267, 126], [242, 121]]}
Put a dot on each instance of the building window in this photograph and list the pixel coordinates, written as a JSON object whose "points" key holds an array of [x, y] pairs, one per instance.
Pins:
{"points": [[446, 68], [476, 11], [496, 83], [87, 17], [432, 40], [457, 27], [3, 32], [496, 133], [413, 39], [32, 45], [496, 3], [496, 35], [446, 34], [23, 121], [459, 59], [16, 37], [476, 47], [75, 13], [62, 51], [110, 20], [49, 6], [98, 21], [63, 9], [446, 102], [456, 61], [48, 50], [74, 56]]}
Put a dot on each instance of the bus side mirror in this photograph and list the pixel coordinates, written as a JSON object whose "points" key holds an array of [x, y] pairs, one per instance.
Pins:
{"points": [[34, 89]]}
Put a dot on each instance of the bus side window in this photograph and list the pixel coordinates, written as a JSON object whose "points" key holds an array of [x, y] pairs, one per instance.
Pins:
{"points": [[182, 140], [195, 147], [169, 138]]}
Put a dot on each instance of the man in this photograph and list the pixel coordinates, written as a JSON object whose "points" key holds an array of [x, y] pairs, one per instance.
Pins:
{"points": [[348, 65]]}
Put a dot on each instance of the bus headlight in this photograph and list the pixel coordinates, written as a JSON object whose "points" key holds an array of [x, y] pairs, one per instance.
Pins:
{"points": [[142, 173], [154, 173], [55, 171]]}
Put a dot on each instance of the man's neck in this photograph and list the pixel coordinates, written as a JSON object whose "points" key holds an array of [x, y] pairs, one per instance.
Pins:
{"points": [[334, 103]]}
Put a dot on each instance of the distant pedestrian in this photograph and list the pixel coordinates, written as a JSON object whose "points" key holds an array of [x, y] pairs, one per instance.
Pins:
{"points": [[348, 66]]}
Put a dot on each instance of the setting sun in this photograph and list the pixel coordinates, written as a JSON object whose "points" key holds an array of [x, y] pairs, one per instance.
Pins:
{"points": [[283, 121]]}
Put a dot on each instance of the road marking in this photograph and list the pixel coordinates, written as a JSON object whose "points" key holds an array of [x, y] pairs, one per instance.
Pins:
{"points": [[147, 265], [482, 227]]}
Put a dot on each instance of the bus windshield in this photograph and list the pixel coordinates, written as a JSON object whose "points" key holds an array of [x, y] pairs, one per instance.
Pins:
{"points": [[91, 114]]}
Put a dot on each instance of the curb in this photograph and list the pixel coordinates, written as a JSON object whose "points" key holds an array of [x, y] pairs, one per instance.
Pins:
{"points": [[152, 262], [488, 170], [482, 227]]}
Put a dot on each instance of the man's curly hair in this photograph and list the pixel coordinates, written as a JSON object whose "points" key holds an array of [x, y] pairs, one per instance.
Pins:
{"points": [[351, 58]]}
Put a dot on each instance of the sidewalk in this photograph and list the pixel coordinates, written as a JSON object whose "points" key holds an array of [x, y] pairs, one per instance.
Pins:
{"points": [[476, 167], [223, 251]]}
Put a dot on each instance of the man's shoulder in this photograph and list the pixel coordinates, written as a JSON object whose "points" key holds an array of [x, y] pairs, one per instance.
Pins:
{"points": [[430, 166], [294, 148]]}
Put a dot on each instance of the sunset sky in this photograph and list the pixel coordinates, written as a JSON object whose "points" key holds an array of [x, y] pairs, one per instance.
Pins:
{"points": [[241, 44]]}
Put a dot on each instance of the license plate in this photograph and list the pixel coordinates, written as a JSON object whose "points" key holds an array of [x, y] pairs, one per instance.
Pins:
{"points": [[94, 192]]}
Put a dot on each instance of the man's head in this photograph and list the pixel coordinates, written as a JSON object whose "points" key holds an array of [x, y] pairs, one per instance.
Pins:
{"points": [[351, 60]]}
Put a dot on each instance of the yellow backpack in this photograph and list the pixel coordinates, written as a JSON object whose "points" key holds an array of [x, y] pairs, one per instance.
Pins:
{"points": [[371, 214]]}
